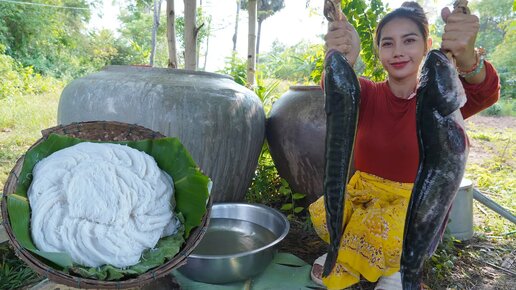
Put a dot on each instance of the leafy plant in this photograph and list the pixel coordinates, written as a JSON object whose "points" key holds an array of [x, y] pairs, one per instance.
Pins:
{"points": [[236, 68], [301, 63], [442, 262], [17, 80], [290, 207]]}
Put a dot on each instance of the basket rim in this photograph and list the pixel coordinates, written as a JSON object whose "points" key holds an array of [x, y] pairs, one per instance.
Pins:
{"points": [[35, 262]]}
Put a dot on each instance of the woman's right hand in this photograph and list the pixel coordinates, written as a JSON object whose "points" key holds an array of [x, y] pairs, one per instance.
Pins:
{"points": [[343, 37]]}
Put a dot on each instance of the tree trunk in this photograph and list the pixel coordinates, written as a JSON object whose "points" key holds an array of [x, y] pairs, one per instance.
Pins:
{"points": [[157, 9], [190, 35], [258, 40], [251, 44], [207, 46], [171, 34], [236, 25]]}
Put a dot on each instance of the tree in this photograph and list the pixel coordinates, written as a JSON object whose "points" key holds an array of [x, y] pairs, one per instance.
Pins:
{"points": [[171, 34], [190, 35], [134, 43], [498, 35], [237, 18], [364, 17], [50, 39], [295, 63], [251, 43], [156, 16], [266, 8], [505, 62], [494, 16]]}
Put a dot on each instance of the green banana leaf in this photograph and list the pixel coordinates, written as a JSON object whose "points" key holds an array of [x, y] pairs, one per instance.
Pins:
{"points": [[191, 193], [285, 271]]}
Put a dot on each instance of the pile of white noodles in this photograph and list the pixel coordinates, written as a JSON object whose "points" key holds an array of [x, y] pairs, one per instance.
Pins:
{"points": [[101, 204]]}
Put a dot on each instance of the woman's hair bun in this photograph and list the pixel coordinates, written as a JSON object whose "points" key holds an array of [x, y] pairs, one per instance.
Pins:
{"points": [[414, 5]]}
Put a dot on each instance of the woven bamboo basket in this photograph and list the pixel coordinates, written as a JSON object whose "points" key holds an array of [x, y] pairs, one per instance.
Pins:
{"points": [[97, 131]]}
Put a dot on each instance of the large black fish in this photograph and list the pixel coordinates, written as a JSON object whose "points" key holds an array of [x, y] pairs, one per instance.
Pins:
{"points": [[342, 98], [443, 151]]}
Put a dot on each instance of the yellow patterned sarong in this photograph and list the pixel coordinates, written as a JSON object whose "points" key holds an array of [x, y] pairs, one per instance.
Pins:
{"points": [[374, 221]]}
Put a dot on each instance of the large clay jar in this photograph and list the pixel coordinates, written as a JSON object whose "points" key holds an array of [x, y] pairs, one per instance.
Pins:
{"points": [[296, 130], [221, 123]]}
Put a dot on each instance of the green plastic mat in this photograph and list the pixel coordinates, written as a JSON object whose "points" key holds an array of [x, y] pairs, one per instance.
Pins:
{"points": [[286, 271]]}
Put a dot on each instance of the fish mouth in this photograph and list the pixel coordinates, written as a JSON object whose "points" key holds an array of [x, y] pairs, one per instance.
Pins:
{"points": [[437, 55]]}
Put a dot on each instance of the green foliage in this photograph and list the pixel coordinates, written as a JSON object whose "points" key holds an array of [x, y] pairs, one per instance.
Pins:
{"points": [[365, 17], [266, 91], [48, 39], [301, 63], [442, 262], [236, 68], [505, 62], [135, 45], [290, 207], [508, 107], [494, 110], [268, 188], [493, 16], [498, 35], [16, 80], [266, 182]]}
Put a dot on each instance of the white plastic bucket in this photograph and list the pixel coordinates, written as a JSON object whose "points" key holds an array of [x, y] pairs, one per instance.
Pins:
{"points": [[461, 216]]}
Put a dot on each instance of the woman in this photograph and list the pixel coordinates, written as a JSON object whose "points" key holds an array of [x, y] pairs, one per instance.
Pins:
{"points": [[386, 150]]}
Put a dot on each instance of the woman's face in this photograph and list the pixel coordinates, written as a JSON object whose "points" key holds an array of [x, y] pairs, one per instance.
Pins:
{"points": [[401, 48]]}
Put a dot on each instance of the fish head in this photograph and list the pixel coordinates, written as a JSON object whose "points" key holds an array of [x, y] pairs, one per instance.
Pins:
{"points": [[339, 79], [439, 84]]}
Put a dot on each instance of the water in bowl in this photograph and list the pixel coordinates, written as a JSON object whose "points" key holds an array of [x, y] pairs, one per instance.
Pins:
{"points": [[231, 236]]}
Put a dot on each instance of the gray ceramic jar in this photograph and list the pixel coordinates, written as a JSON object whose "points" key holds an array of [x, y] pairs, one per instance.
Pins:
{"points": [[221, 123]]}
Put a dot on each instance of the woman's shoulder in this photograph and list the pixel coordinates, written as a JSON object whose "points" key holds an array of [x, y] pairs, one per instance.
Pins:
{"points": [[368, 87]]}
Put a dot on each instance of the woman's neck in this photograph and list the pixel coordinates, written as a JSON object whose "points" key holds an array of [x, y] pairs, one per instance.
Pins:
{"points": [[403, 89]]}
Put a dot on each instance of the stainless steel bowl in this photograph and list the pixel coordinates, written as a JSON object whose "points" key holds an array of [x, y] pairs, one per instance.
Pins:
{"points": [[239, 243]]}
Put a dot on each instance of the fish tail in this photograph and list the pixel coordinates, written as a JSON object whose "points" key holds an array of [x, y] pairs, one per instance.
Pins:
{"points": [[331, 260], [411, 285], [410, 281]]}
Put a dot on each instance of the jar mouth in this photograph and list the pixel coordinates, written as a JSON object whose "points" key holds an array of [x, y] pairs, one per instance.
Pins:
{"points": [[144, 68], [305, 88]]}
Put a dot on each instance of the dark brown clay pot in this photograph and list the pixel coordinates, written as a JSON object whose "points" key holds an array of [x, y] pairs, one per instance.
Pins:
{"points": [[296, 130]]}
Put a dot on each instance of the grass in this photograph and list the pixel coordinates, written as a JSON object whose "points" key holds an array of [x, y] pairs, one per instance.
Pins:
{"points": [[13, 272], [479, 262], [493, 175], [21, 120]]}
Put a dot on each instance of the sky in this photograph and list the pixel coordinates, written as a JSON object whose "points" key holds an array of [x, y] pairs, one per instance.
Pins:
{"points": [[291, 25]]}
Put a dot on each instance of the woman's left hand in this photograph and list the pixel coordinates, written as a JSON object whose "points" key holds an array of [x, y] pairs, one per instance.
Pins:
{"points": [[460, 33]]}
